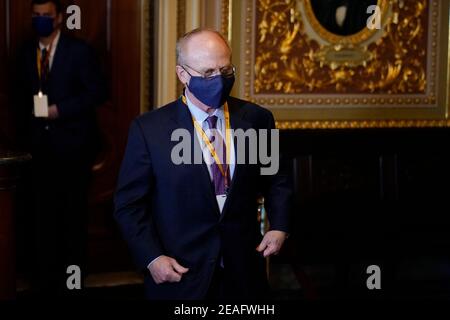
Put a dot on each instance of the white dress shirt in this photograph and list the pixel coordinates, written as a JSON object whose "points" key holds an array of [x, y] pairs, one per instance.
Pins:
{"points": [[54, 45], [201, 117]]}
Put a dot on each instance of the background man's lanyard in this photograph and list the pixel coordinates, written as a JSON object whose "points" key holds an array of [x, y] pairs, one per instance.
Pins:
{"points": [[222, 167], [42, 66]]}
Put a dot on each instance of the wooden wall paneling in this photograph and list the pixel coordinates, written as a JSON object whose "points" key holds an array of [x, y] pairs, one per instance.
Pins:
{"points": [[7, 264], [123, 25], [19, 29], [125, 41], [96, 17], [389, 177], [114, 29], [3, 74], [20, 23]]}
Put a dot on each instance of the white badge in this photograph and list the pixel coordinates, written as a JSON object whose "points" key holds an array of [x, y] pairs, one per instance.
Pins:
{"points": [[41, 105], [221, 201]]}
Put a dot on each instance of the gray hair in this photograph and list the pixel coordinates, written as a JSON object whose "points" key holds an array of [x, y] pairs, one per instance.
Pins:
{"points": [[182, 41]]}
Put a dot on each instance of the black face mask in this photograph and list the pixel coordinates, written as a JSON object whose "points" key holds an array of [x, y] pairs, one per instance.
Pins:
{"points": [[43, 25]]}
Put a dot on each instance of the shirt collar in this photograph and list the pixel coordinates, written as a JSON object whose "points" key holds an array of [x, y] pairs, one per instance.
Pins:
{"points": [[55, 42], [201, 115]]}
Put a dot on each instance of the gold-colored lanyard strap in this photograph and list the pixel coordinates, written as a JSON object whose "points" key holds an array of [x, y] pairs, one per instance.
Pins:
{"points": [[43, 66], [212, 150]]}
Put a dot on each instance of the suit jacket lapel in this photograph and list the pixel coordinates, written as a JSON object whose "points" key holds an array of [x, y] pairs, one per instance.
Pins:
{"points": [[58, 60], [237, 122], [183, 119]]}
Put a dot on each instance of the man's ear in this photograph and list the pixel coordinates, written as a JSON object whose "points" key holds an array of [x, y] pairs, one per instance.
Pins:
{"points": [[59, 18], [182, 75]]}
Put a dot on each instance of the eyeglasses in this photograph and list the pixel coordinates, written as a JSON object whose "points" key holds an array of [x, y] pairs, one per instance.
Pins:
{"points": [[227, 72]]}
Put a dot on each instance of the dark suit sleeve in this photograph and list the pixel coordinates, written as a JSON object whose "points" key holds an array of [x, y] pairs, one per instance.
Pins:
{"points": [[131, 200], [277, 191], [91, 83]]}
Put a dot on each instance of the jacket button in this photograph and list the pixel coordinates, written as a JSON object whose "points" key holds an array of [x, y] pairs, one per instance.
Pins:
{"points": [[47, 128]]}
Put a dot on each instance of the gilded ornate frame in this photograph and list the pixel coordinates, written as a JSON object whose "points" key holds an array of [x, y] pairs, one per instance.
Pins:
{"points": [[359, 37], [428, 108]]}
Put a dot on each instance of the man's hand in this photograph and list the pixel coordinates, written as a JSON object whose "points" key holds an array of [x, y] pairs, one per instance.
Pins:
{"points": [[166, 269], [272, 243], [53, 112]]}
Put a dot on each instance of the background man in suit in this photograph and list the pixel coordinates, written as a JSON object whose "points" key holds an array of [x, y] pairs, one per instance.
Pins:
{"points": [[193, 228], [62, 144]]}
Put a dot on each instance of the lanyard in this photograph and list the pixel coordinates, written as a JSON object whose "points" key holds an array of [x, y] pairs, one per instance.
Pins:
{"points": [[211, 148], [42, 66]]}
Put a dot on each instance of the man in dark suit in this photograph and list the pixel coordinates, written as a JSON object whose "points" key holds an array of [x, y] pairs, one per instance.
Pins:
{"points": [[192, 227], [62, 142]]}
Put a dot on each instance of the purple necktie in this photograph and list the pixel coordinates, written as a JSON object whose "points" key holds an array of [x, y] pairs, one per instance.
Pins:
{"points": [[219, 145]]}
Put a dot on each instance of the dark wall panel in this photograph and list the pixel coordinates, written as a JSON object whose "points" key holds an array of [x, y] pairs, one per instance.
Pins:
{"points": [[369, 194]]}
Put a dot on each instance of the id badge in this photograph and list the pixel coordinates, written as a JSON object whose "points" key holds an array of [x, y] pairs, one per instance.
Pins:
{"points": [[41, 105]]}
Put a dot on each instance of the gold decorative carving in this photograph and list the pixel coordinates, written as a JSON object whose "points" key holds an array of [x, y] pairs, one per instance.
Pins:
{"points": [[226, 18], [400, 79], [181, 18], [145, 56], [181, 30], [288, 61]]}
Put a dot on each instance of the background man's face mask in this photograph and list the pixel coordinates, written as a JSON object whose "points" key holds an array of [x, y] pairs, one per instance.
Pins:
{"points": [[212, 91], [43, 25]]}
